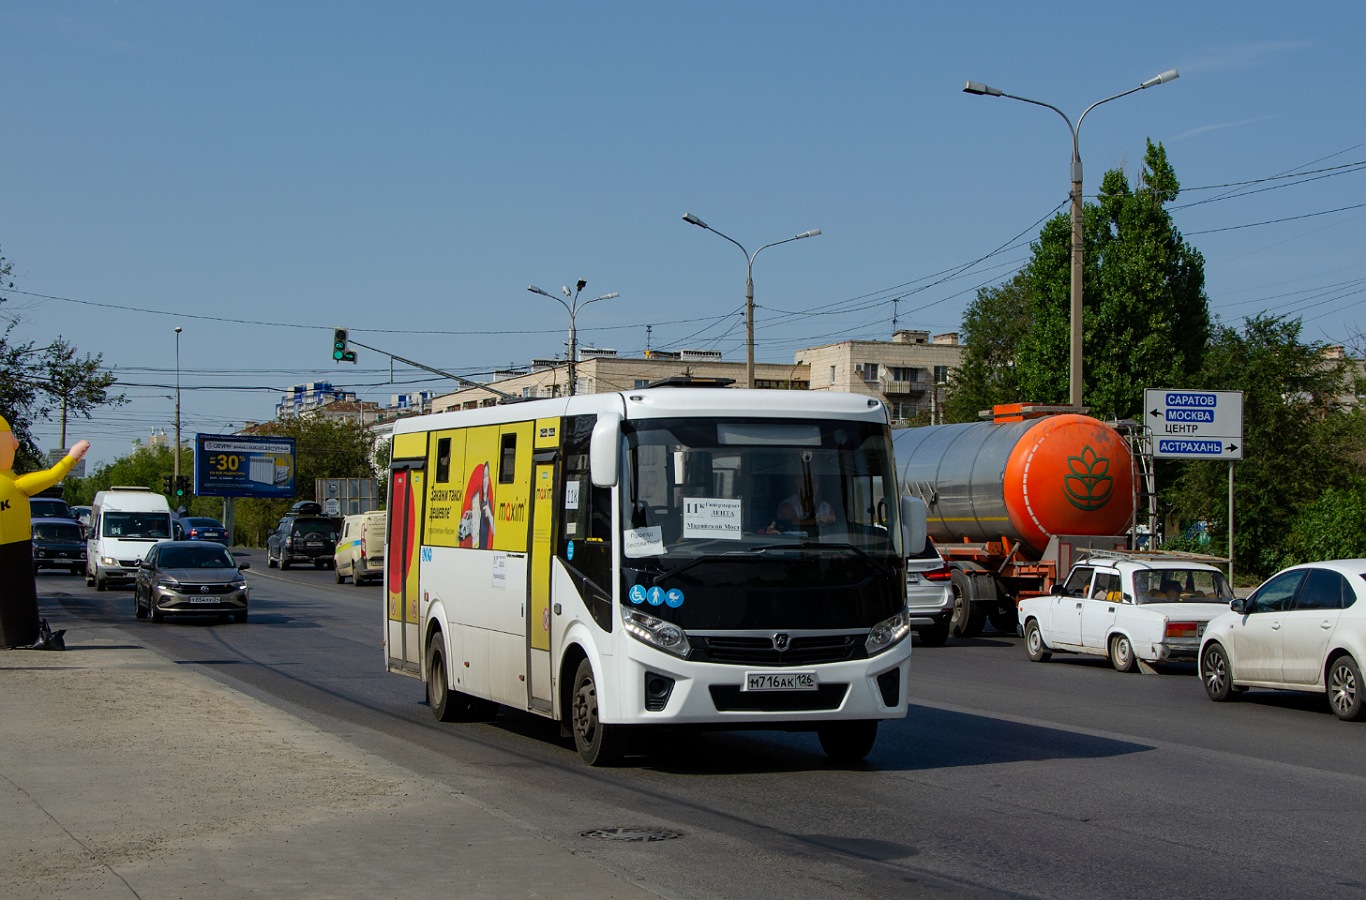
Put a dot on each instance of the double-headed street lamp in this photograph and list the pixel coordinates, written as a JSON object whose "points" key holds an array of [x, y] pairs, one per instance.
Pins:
{"points": [[749, 285], [572, 305], [1074, 366]]}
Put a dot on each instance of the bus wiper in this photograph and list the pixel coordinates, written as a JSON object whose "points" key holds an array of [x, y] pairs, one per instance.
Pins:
{"points": [[840, 545], [728, 556]]}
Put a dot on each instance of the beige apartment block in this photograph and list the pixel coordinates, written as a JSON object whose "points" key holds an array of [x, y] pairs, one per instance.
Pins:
{"points": [[909, 373]]}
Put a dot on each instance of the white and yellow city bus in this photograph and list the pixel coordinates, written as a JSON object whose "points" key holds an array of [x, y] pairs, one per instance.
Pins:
{"points": [[666, 556]]}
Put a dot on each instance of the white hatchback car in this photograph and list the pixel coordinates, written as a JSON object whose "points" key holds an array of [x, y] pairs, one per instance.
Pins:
{"points": [[1133, 609], [1304, 629]]}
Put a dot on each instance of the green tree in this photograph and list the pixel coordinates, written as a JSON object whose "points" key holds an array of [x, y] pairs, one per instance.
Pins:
{"points": [[1145, 320], [992, 326], [144, 467], [75, 385], [36, 381], [1298, 440], [1332, 527]]}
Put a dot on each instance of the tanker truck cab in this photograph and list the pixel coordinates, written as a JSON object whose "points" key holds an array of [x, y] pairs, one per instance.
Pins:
{"points": [[125, 522], [1137, 609]]}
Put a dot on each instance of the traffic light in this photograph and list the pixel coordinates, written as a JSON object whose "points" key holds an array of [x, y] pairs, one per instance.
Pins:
{"points": [[166, 484], [340, 351], [182, 486]]}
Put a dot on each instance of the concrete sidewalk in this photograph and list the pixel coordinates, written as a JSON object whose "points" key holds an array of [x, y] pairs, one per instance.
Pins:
{"points": [[123, 774]]}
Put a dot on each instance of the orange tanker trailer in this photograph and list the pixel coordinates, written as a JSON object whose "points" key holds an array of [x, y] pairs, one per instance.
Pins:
{"points": [[1013, 500]]}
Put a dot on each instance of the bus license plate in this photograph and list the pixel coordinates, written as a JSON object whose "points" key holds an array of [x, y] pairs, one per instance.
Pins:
{"points": [[780, 681], [206, 599]]}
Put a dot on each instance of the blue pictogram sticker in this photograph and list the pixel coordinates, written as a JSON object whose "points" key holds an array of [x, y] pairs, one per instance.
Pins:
{"points": [[570, 552], [637, 594], [655, 595], [674, 597]]}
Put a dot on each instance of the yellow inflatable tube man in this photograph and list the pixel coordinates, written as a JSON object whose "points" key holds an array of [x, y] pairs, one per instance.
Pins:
{"points": [[18, 592]]}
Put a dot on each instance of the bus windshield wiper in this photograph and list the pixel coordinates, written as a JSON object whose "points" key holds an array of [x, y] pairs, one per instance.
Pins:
{"points": [[842, 545]]}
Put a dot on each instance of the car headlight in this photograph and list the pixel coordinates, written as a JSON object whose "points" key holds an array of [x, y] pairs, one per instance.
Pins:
{"points": [[656, 632], [108, 561], [237, 585], [887, 633], [167, 582]]}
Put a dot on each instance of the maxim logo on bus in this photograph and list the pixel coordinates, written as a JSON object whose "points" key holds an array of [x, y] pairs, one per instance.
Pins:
{"points": [[1089, 485], [512, 512]]}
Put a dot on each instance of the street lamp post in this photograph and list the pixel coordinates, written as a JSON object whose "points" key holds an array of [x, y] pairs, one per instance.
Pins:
{"points": [[1074, 368], [177, 407], [572, 306], [749, 285]]}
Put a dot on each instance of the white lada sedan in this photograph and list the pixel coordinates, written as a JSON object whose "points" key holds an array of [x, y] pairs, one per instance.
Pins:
{"points": [[1132, 609]]}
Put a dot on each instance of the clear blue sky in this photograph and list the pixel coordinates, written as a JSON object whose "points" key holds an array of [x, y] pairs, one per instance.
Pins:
{"points": [[257, 172]]}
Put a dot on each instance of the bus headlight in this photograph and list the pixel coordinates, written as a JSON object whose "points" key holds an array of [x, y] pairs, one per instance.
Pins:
{"points": [[887, 633], [656, 632]]}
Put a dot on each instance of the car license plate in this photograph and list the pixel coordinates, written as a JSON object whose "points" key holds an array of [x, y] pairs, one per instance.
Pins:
{"points": [[205, 599], [780, 681]]}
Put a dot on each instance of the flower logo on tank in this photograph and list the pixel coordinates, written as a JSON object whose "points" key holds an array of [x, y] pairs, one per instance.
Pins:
{"points": [[1088, 487]]}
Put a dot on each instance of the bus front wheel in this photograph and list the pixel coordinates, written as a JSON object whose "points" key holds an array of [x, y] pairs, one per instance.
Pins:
{"points": [[598, 744], [848, 742]]}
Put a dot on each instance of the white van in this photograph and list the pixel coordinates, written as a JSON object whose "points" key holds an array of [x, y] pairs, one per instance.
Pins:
{"points": [[360, 549], [124, 524]]}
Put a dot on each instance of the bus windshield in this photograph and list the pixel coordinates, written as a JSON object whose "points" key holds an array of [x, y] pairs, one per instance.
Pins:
{"points": [[706, 487]]}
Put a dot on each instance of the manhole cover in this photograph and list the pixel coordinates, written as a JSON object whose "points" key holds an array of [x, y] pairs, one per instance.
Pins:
{"points": [[631, 834]]}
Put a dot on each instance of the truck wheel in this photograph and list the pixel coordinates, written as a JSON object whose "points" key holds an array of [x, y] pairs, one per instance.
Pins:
{"points": [[89, 579], [968, 617], [337, 576], [270, 560], [1038, 651], [848, 742], [1122, 654], [598, 744], [284, 563]]}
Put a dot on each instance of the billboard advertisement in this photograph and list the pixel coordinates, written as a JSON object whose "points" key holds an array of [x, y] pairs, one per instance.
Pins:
{"points": [[239, 465]]}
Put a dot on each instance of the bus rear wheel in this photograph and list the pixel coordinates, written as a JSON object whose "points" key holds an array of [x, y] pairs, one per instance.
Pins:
{"points": [[598, 744], [449, 705]]}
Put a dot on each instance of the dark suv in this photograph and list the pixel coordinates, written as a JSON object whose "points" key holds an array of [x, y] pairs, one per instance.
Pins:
{"points": [[303, 540], [58, 544]]}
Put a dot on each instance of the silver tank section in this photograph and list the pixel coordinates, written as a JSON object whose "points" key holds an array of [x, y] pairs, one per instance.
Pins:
{"points": [[959, 471]]}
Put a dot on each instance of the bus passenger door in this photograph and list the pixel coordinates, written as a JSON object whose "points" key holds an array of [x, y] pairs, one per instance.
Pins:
{"points": [[540, 665], [401, 638]]}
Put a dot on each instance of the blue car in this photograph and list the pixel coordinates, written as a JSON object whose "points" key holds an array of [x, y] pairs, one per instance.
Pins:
{"points": [[200, 528]]}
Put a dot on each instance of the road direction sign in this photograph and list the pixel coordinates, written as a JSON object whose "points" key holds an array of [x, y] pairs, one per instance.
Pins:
{"points": [[1195, 424]]}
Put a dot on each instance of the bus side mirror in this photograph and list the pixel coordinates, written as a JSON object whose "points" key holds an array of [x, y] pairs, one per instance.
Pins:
{"points": [[914, 525], [604, 450]]}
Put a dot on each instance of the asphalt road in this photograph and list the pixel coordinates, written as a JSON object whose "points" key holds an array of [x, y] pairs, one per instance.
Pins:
{"points": [[1007, 778]]}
